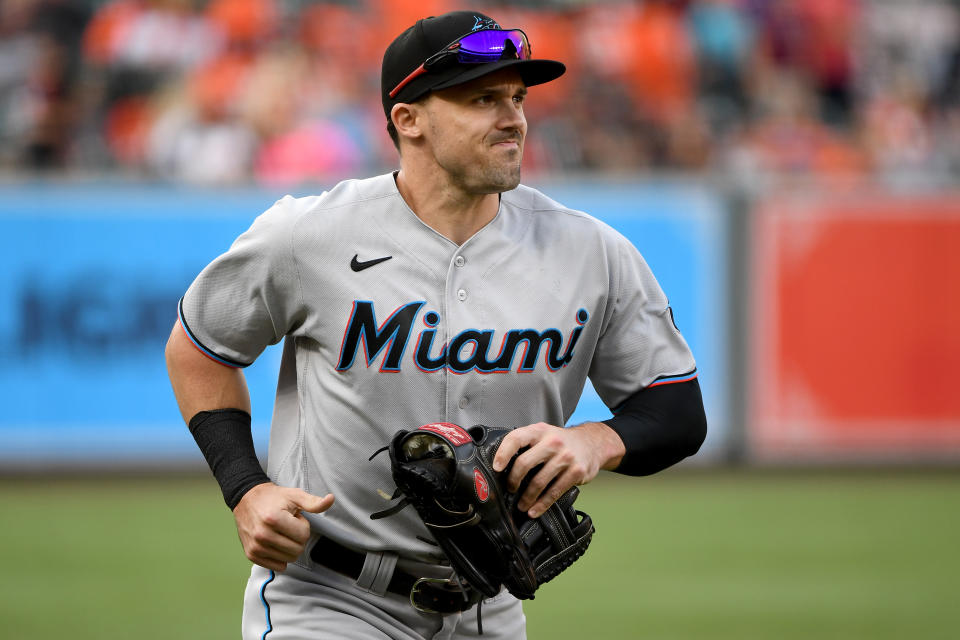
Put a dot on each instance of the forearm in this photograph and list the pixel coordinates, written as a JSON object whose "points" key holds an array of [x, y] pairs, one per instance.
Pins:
{"points": [[199, 383], [659, 427], [215, 403], [605, 442]]}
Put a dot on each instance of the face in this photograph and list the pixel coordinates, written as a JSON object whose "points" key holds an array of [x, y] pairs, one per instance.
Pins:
{"points": [[476, 130]]}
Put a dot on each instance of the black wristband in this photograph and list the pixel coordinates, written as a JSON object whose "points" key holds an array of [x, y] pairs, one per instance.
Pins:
{"points": [[226, 442]]}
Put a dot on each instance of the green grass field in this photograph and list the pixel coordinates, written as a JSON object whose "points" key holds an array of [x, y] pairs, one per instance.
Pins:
{"points": [[711, 555]]}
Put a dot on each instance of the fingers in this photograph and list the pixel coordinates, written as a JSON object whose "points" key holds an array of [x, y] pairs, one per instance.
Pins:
{"points": [[543, 493], [310, 503], [274, 539], [272, 529], [545, 442], [512, 443], [262, 551], [566, 461]]}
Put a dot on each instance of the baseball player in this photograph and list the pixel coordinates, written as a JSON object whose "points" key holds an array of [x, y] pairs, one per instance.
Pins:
{"points": [[442, 292]]}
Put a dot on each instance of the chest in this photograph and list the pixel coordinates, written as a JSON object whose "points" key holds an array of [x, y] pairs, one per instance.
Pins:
{"points": [[463, 312]]}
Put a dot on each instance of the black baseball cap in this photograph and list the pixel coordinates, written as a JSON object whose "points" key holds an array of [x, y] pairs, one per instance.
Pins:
{"points": [[430, 35]]}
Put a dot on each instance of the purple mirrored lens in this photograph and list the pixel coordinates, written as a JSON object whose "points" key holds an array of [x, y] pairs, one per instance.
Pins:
{"points": [[484, 46]]}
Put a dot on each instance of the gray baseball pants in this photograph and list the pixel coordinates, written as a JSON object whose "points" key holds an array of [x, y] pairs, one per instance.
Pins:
{"points": [[311, 602]]}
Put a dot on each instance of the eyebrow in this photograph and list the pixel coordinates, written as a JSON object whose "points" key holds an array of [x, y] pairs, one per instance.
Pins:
{"points": [[500, 88]]}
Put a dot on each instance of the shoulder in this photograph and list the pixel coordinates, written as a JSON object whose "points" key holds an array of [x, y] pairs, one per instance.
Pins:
{"points": [[294, 223], [553, 218], [348, 198], [533, 200]]}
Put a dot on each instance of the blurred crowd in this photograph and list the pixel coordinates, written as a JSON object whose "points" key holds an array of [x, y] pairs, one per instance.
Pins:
{"points": [[287, 91]]}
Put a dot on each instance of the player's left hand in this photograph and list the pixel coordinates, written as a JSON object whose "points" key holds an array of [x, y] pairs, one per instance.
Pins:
{"points": [[570, 456]]}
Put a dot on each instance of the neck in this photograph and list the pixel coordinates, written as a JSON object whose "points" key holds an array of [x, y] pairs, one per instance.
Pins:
{"points": [[445, 208]]}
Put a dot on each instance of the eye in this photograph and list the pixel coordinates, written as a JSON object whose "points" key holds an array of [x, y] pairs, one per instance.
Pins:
{"points": [[518, 99]]}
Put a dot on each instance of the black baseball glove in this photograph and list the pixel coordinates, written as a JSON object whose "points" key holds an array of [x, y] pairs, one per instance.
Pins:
{"points": [[446, 472]]}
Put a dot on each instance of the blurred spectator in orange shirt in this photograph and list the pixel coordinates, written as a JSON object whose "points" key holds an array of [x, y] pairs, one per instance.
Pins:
{"points": [[200, 136]]}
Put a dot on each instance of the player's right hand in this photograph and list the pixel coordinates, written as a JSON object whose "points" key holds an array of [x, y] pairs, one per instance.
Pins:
{"points": [[272, 528]]}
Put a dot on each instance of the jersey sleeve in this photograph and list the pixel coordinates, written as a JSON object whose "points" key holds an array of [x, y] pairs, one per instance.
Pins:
{"points": [[640, 345], [249, 297]]}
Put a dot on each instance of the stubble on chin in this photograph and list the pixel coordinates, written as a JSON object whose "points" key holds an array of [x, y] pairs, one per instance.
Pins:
{"points": [[486, 174], [511, 181], [503, 176]]}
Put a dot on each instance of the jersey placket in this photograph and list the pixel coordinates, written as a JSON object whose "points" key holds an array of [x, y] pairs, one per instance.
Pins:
{"points": [[455, 300]]}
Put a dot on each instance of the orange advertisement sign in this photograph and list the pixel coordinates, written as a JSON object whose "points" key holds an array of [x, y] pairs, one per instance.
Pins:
{"points": [[855, 330]]}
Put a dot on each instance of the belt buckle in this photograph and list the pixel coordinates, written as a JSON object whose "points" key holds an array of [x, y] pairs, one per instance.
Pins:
{"points": [[443, 583]]}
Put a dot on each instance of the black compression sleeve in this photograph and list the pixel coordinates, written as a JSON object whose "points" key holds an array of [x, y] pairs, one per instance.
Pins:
{"points": [[225, 439], [660, 426]]}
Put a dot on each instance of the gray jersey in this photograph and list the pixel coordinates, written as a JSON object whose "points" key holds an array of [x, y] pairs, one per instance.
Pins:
{"points": [[389, 325]]}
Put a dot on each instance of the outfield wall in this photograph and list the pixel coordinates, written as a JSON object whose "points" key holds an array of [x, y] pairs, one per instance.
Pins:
{"points": [[823, 325], [855, 326], [92, 275]]}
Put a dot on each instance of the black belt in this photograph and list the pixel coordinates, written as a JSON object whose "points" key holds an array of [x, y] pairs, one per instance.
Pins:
{"points": [[429, 595]]}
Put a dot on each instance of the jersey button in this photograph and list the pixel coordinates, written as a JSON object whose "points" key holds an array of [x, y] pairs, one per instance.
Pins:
{"points": [[462, 295], [464, 401], [460, 261]]}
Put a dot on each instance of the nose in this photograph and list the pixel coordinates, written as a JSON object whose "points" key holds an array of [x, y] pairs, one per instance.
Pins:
{"points": [[511, 117]]}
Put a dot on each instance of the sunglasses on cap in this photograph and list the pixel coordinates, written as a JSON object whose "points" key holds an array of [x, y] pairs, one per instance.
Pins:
{"points": [[477, 47]]}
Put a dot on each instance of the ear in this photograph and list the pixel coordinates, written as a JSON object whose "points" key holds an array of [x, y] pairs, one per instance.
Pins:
{"points": [[407, 119]]}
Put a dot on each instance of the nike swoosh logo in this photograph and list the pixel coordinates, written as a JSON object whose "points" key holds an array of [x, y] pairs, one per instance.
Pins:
{"points": [[357, 265]]}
